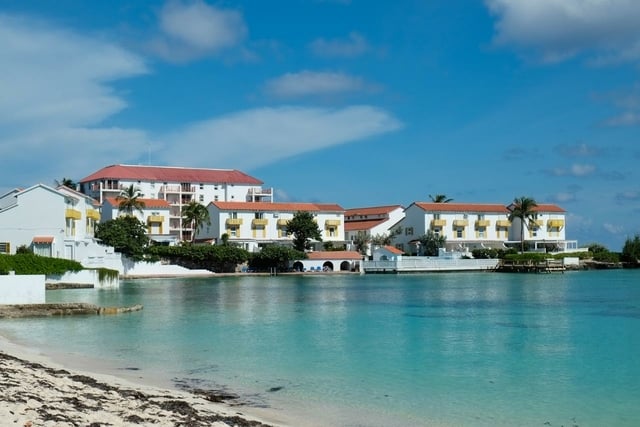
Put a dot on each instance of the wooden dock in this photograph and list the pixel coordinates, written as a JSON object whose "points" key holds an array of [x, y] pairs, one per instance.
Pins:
{"points": [[530, 266]]}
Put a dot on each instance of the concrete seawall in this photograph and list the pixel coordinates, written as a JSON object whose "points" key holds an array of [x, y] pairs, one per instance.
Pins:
{"points": [[65, 309]]}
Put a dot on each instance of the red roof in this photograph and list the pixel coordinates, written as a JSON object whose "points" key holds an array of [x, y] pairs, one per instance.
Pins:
{"points": [[319, 255], [362, 225], [374, 210], [172, 174], [43, 239], [148, 203], [276, 207], [394, 250], [548, 208], [462, 207]]}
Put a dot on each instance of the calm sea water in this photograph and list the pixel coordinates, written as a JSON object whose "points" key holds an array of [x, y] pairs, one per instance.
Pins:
{"points": [[435, 349]]}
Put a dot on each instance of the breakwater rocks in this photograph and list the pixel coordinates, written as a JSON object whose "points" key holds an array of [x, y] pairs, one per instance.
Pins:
{"points": [[62, 309]]}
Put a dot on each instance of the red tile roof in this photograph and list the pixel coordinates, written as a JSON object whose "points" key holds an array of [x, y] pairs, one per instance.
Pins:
{"points": [[362, 225], [148, 203], [172, 174], [334, 255], [276, 207], [548, 208], [373, 210], [394, 250], [462, 207], [43, 239]]}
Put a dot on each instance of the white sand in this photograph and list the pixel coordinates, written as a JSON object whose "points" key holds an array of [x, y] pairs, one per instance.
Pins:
{"points": [[36, 392]]}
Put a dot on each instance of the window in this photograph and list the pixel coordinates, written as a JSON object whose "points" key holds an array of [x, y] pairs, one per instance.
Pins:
{"points": [[480, 217], [482, 232], [408, 231], [215, 198], [460, 232], [201, 198], [215, 187], [5, 247], [436, 232], [331, 232], [259, 215], [436, 216], [465, 216], [233, 215], [201, 186]]}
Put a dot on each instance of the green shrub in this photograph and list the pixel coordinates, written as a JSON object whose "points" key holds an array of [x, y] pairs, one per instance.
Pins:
{"points": [[35, 264], [217, 258], [274, 256], [606, 257]]}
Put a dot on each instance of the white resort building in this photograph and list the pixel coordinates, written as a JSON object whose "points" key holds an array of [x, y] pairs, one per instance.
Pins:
{"points": [[468, 226], [54, 222], [177, 186], [154, 214], [371, 221], [254, 224]]}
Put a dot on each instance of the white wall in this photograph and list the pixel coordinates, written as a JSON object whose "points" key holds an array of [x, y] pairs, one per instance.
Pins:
{"points": [[22, 289]]}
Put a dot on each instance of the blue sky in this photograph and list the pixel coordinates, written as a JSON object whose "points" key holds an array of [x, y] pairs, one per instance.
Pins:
{"points": [[356, 102]]}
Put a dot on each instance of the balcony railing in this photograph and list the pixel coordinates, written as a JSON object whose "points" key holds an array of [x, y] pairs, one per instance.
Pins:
{"points": [[259, 222], [332, 222], [460, 223], [72, 214], [283, 222], [555, 223], [503, 223], [234, 221], [155, 218], [93, 214], [483, 223]]}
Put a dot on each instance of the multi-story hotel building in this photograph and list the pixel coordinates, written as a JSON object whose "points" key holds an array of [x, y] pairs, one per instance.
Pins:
{"points": [[252, 224], [469, 226], [178, 186], [371, 221]]}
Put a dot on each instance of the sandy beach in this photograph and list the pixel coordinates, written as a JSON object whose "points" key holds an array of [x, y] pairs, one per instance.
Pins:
{"points": [[36, 392]]}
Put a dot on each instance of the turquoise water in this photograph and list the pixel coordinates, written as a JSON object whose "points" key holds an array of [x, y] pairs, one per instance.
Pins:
{"points": [[435, 349]]}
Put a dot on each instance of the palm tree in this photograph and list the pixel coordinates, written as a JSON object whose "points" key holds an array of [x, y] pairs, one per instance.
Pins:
{"points": [[195, 215], [523, 208], [66, 182], [440, 198], [128, 200]]}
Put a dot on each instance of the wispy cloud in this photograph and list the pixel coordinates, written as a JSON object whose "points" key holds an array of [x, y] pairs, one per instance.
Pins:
{"points": [[607, 30], [563, 197], [308, 83], [575, 170], [56, 95], [354, 45], [194, 29], [578, 150], [628, 196], [252, 138], [613, 228], [628, 118]]}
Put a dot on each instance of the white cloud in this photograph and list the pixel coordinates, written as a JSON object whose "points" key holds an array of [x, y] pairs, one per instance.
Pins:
{"points": [[194, 29], [558, 29], [252, 138], [575, 170], [308, 83], [56, 94], [613, 228], [563, 197], [628, 118], [354, 45]]}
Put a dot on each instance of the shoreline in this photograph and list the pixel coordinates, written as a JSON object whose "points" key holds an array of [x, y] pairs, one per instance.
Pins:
{"points": [[39, 391]]}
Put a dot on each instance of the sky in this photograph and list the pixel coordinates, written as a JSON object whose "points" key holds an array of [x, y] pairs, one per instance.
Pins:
{"points": [[355, 102]]}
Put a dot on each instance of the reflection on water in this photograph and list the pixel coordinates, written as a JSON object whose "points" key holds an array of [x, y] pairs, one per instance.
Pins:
{"points": [[461, 349]]}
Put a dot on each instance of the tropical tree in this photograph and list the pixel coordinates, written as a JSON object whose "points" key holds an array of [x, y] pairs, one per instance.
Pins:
{"points": [[303, 228], [431, 242], [523, 208], [66, 182], [631, 250], [129, 200], [127, 235], [195, 215], [440, 198]]}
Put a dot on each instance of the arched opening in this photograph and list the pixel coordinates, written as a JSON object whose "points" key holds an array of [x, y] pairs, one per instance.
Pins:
{"points": [[298, 266], [345, 266], [327, 266]]}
